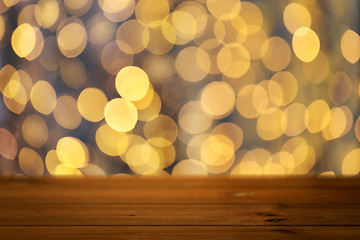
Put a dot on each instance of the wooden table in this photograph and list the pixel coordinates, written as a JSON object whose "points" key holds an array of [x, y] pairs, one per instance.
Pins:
{"points": [[180, 208]]}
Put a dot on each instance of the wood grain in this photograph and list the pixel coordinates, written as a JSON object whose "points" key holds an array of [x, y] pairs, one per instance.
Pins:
{"points": [[219, 189], [180, 214], [178, 232], [178, 208]]}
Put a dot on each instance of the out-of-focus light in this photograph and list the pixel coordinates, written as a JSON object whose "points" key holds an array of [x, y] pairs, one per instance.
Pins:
{"points": [[296, 16], [91, 104], [306, 44], [182, 87], [40, 91], [350, 46], [121, 114]]}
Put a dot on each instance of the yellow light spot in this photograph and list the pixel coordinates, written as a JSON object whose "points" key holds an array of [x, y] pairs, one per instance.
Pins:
{"points": [[267, 97], [159, 42], [152, 111], [207, 39], [47, 13], [340, 88], [337, 124], [35, 130], [289, 86], [327, 174], [217, 100], [43, 97], [184, 23], [189, 167], [7, 73], [117, 10], [306, 44], [51, 161], [247, 168], [296, 16], [27, 15], [224, 9], [161, 131], [319, 116], [357, 129], [152, 13], [72, 152], [8, 3], [276, 54], [71, 37], [91, 104], [192, 119], [26, 84], [144, 159], [14, 104], [235, 30], [303, 155], [66, 113], [121, 114], [193, 149], [3, 26], [100, 30], [113, 59], [166, 154], [286, 159], [8, 144], [132, 83], [273, 169], [170, 34], [271, 126], [30, 162], [259, 155], [230, 130], [254, 42], [132, 37], [92, 170], [23, 40], [133, 140], [297, 119], [317, 70], [15, 90], [350, 46], [260, 99], [146, 100], [198, 13], [351, 163], [246, 96], [252, 16], [66, 170], [111, 142], [39, 45], [233, 60], [193, 64], [78, 7], [217, 153], [349, 119]]}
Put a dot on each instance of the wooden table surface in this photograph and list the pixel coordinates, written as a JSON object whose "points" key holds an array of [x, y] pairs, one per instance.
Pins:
{"points": [[180, 208]]}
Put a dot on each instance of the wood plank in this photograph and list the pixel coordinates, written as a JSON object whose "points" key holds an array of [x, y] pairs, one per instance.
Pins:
{"points": [[181, 190], [178, 232], [179, 208], [180, 214]]}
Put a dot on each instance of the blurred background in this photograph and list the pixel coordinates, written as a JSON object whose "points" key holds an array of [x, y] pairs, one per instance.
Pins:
{"points": [[159, 87]]}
